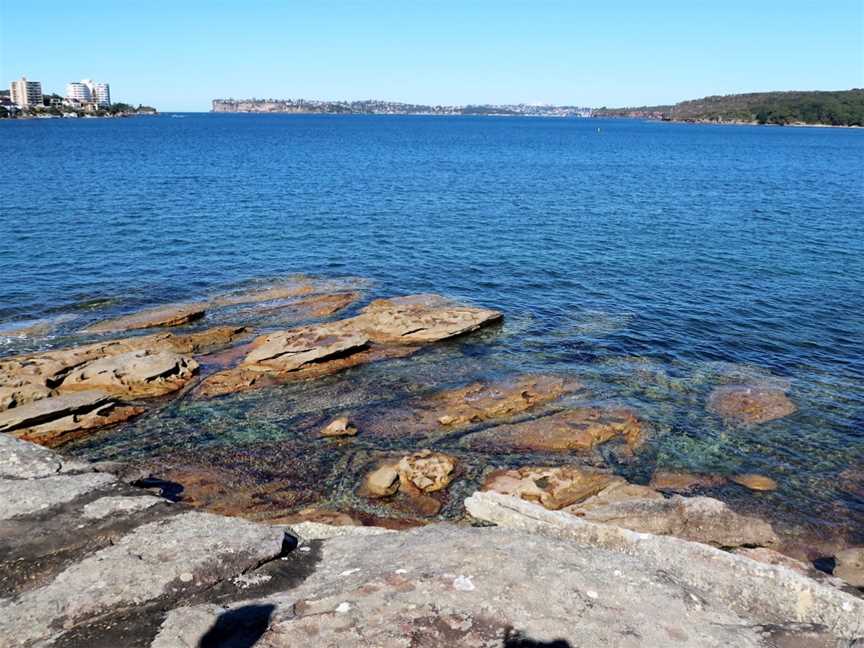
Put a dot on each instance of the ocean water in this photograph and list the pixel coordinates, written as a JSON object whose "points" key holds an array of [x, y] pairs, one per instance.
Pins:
{"points": [[652, 261]]}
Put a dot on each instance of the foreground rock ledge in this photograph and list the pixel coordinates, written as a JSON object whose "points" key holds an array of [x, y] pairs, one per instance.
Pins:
{"points": [[107, 566]]}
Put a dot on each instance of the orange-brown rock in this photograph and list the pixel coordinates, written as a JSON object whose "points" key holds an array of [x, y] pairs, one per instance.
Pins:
{"points": [[755, 482], [554, 487], [54, 421], [418, 319], [170, 315], [750, 404], [574, 430], [617, 491], [682, 482], [381, 482], [136, 374], [339, 427], [454, 409], [313, 306], [426, 470], [284, 290], [287, 351]]}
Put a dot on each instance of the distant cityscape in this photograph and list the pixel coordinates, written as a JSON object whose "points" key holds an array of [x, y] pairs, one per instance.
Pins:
{"points": [[378, 107], [85, 98]]}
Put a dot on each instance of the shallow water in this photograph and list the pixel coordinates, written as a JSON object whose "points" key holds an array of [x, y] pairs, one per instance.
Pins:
{"points": [[652, 261]]}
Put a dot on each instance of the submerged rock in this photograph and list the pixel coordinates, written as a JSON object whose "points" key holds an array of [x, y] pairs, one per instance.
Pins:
{"points": [[750, 404], [574, 430], [171, 315], [755, 482], [683, 482], [426, 470]]}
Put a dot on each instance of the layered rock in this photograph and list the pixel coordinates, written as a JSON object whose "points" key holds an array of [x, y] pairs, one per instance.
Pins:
{"points": [[163, 316], [384, 329], [750, 404], [574, 430], [136, 374], [414, 477]]}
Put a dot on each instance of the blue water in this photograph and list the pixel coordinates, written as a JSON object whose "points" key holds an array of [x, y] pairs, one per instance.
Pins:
{"points": [[647, 258]]}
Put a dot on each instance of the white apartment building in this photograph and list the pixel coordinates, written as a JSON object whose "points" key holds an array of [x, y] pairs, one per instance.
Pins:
{"points": [[78, 91], [88, 91], [26, 94]]}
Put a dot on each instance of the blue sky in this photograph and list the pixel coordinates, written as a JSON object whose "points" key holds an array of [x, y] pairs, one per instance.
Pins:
{"points": [[178, 55]]}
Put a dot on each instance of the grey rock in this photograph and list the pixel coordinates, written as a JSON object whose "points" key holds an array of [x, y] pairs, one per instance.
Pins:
{"points": [[22, 460], [319, 531], [25, 498], [184, 553], [850, 566], [118, 504], [444, 585], [771, 593]]}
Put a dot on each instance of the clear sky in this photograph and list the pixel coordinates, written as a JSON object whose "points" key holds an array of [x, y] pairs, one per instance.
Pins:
{"points": [[180, 54]]}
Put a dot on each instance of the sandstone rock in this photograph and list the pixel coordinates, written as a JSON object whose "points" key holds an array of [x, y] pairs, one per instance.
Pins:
{"points": [[171, 315], [20, 498], [382, 482], [503, 587], [313, 306], [136, 374], [187, 552], [700, 519], [755, 482], [771, 557], [426, 470], [553, 487], [287, 351], [49, 409], [418, 319], [682, 482], [339, 427], [617, 491], [750, 404], [850, 566], [53, 434], [575, 430], [308, 531], [283, 290], [114, 505]]}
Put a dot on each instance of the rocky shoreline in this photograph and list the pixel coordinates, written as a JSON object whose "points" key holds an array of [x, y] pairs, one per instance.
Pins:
{"points": [[169, 551]]}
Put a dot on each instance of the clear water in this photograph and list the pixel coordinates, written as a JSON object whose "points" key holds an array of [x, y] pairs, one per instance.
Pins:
{"points": [[651, 260]]}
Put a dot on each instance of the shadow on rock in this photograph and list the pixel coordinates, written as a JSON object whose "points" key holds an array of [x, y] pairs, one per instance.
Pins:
{"points": [[515, 639], [238, 628]]}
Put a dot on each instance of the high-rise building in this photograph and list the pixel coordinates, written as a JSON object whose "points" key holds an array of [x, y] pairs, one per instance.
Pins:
{"points": [[88, 91], [101, 94], [78, 91], [26, 94]]}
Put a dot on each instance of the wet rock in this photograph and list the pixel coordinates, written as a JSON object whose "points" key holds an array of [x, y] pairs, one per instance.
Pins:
{"points": [[849, 565], [553, 487], [382, 482], [26, 498], [283, 290], [53, 434], [188, 552], [136, 374], [574, 430], [311, 307], [418, 319], [171, 315], [504, 587], [119, 505], [339, 427], [755, 482], [750, 404], [683, 482]]}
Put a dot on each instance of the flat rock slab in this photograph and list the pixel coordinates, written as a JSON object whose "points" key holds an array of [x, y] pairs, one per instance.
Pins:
{"points": [[135, 374], [48, 409], [188, 552], [119, 505], [25, 498], [22, 460], [762, 593], [172, 315], [286, 351], [479, 587]]}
